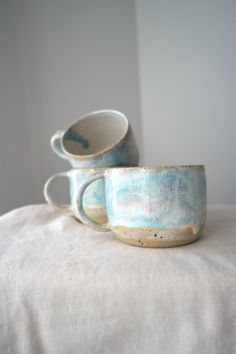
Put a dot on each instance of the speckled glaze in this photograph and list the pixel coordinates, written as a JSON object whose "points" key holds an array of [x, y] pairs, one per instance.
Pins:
{"points": [[94, 197], [159, 206], [122, 151]]}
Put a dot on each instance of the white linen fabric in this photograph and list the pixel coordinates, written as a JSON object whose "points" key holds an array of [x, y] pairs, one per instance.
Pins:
{"points": [[65, 289]]}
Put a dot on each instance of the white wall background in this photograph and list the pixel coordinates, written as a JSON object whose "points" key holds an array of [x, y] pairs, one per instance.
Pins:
{"points": [[187, 52], [60, 59]]}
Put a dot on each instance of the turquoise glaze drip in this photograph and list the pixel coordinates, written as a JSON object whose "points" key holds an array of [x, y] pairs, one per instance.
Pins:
{"points": [[73, 135]]}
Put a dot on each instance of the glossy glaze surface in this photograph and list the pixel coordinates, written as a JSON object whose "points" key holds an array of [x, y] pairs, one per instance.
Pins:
{"points": [[169, 197]]}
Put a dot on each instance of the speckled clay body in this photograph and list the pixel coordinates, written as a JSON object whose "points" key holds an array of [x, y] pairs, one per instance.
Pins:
{"points": [[94, 196], [98, 139], [154, 207]]}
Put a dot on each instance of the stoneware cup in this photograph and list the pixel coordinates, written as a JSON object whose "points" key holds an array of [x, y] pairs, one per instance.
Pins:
{"points": [[98, 139], [161, 206], [94, 197]]}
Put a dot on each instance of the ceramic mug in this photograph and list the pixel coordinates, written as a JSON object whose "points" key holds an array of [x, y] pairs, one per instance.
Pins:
{"points": [[160, 206], [94, 197], [98, 139]]}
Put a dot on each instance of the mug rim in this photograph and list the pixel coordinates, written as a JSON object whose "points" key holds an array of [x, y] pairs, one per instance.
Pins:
{"points": [[91, 169], [83, 117], [135, 168], [151, 168]]}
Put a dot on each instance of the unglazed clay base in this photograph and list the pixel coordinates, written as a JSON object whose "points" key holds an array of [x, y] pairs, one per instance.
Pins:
{"points": [[97, 214], [155, 237]]}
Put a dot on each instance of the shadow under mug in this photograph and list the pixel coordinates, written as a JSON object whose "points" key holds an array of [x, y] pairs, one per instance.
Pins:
{"points": [[98, 139], [160, 206], [94, 197]]}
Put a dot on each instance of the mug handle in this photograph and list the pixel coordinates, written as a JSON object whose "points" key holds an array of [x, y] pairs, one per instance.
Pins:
{"points": [[56, 144], [79, 207], [47, 194]]}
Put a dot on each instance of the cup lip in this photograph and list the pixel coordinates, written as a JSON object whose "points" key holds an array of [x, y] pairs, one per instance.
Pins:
{"points": [[91, 169], [84, 116], [150, 168]]}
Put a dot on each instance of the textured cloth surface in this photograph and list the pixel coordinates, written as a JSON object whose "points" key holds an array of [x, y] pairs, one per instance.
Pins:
{"points": [[65, 289]]}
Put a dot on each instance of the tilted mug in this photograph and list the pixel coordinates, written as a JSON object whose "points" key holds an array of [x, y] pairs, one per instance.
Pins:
{"points": [[98, 139], [161, 206]]}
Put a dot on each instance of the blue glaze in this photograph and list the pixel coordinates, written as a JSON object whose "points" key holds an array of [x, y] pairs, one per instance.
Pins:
{"points": [[94, 195], [156, 198], [73, 135]]}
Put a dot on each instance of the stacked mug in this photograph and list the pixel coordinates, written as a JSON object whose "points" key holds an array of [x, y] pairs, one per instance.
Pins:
{"points": [[96, 141], [161, 206]]}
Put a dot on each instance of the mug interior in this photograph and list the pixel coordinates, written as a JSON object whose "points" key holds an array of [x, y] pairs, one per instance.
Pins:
{"points": [[95, 133]]}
